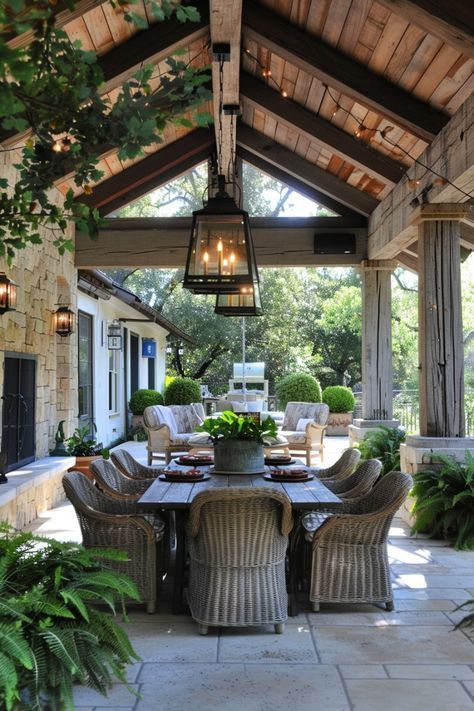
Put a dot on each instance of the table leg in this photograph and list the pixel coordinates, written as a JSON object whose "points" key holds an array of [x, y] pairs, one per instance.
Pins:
{"points": [[178, 605], [294, 564]]}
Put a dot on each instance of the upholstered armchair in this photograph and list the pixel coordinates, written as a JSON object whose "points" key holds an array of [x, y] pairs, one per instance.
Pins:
{"points": [[170, 429], [304, 425]]}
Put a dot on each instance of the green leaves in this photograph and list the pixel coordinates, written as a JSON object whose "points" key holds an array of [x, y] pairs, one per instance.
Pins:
{"points": [[383, 443], [57, 86], [444, 500], [229, 425]]}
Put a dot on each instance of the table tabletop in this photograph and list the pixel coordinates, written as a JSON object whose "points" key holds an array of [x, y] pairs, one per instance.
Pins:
{"points": [[308, 494]]}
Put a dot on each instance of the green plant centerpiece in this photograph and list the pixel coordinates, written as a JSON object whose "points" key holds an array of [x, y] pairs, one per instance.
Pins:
{"points": [[340, 401], [239, 441], [51, 636], [297, 387]]}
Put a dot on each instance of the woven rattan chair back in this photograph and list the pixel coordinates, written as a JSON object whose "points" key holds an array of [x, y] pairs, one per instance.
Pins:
{"points": [[359, 483], [130, 467], [106, 523], [237, 542], [349, 551], [345, 465], [114, 483]]}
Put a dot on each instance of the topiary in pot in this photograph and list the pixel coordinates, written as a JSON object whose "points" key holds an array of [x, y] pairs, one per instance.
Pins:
{"points": [[144, 398], [339, 398], [182, 391], [297, 387]]}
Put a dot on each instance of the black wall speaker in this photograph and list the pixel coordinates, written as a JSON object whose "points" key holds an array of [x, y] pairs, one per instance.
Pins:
{"points": [[334, 243]]}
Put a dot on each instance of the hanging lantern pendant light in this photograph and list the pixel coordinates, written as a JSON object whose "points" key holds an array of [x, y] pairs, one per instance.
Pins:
{"points": [[221, 255]]}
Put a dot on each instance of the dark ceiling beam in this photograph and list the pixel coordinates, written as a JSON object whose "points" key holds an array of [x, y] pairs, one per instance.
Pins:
{"points": [[293, 183], [146, 47], [342, 72], [150, 173], [451, 22], [317, 129], [307, 178]]}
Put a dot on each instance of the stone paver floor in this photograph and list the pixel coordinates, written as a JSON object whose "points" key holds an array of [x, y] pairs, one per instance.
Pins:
{"points": [[345, 657]]}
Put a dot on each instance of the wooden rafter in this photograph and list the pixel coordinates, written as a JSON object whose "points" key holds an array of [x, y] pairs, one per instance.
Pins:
{"points": [[319, 130], [343, 73], [151, 172], [310, 179], [451, 22]]}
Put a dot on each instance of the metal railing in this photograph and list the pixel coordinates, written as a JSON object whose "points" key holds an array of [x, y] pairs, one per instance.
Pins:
{"points": [[406, 409]]}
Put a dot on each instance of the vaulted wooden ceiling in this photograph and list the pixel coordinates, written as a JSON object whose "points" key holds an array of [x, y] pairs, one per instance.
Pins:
{"points": [[338, 97]]}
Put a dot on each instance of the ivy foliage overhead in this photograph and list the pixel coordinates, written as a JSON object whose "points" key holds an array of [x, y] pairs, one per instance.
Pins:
{"points": [[51, 89]]}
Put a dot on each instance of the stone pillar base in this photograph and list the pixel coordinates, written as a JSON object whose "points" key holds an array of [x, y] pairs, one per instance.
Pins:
{"points": [[416, 453], [360, 427]]}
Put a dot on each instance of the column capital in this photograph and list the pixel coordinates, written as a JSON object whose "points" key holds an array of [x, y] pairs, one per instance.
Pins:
{"points": [[443, 211], [379, 264]]}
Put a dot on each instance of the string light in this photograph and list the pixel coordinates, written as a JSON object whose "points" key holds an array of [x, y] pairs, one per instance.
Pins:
{"points": [[266, 72]]}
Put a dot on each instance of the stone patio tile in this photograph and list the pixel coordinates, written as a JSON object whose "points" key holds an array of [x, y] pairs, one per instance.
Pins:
{"points": [[172, 642], [318, 619], [406, 605], [461, 672], [362, 671], [392, 644], [416, 617], [261, 644], [233, 687], [422, 580], [470, 687], [431, 594], [117, 698], [403, 695]]}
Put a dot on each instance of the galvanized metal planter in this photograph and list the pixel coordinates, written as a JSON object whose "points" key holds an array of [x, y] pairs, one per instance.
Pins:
{"points": [[238, 456]]}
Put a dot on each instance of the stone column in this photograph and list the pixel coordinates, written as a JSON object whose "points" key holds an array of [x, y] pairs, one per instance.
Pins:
{"points": [[441, 348], [377, 378]]}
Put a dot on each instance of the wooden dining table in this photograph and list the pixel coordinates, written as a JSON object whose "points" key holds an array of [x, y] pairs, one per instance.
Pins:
{"points": [[177, 496]]}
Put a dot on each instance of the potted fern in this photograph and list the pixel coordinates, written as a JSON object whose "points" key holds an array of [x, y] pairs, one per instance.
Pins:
{"points": [[50, 635], [239, 441]]}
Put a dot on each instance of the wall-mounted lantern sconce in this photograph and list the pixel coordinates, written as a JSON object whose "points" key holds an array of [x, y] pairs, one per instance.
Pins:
{"points": [[114, 336], [169, 349], [7, 294], [180, 349], [63, 320]]}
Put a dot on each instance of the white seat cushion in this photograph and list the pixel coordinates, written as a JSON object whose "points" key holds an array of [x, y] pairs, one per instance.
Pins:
{"points": [[293, 437]]}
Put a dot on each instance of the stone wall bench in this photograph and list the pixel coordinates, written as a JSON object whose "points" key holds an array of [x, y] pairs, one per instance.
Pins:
{"points": [[33, 489]]}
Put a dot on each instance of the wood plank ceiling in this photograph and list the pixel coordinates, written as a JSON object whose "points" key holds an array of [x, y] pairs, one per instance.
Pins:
{"points": [[341, 96]]}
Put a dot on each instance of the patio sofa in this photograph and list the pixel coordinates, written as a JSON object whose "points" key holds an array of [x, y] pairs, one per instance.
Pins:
{"points": [[170, 428]]}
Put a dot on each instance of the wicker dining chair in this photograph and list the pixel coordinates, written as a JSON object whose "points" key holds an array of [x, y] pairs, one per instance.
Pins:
{"points": [[349, 560], [115, 484], [131, 468], [109, 523], [345, 465], [358, 483], [237, 546]]}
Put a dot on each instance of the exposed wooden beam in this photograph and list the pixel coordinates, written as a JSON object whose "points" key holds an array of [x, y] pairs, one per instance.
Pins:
{"points": [[451, 155], [163, 242], [62, 15], [408, 261], [326, 187], [146, 47], [225, 22], [293, 183], [319, 130], [320, 60], [151, 172], [451, 22]]}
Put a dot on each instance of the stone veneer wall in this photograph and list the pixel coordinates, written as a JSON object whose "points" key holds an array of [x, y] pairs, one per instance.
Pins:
{"points": [[44, 280]]}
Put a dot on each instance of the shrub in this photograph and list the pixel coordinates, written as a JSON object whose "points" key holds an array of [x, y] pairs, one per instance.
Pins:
{"points": [[384, 444], [338, 398], [144, 398], [444, 500], [182, 391], [297, 387], [51, 636]]}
